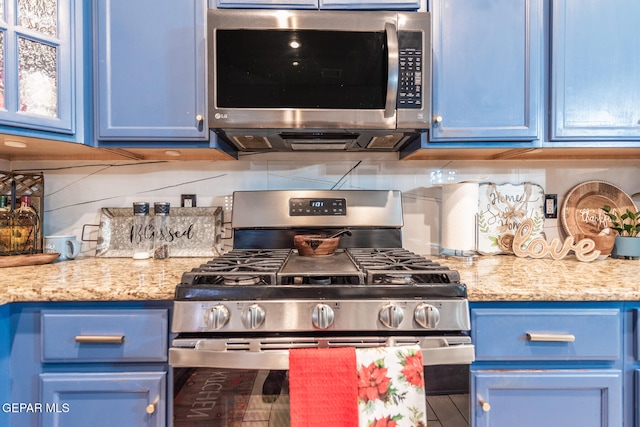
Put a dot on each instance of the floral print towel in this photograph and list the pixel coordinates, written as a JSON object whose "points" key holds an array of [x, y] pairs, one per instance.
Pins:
{"points": [[391, 387]]}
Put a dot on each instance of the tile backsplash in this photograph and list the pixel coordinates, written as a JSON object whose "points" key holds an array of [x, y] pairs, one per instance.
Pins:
{"points": [[75, 191]]}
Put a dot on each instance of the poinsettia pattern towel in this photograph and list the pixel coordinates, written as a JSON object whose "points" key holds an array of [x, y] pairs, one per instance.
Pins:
{"points": [[391, 387]]}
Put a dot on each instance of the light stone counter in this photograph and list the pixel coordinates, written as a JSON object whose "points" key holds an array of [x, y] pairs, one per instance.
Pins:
{"points": [[488, 278], [95, 279]]}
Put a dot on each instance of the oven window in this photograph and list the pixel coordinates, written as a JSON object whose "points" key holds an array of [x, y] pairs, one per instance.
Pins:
{"points": [[215, 397], [301, 69]]}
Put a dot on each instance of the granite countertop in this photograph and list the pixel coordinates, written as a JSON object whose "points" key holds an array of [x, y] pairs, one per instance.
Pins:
{"points": [[488, 278]]}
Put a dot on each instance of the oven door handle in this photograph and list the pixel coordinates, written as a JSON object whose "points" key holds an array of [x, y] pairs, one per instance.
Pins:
{"points": [[201, 357]]}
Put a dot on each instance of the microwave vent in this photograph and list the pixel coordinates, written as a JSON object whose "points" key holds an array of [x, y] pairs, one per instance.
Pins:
{"points": [[327, 146], [253, 142], [386, 141]]}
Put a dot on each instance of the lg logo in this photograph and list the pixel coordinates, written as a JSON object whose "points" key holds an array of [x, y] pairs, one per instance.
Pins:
{"points": [[219, 116]]}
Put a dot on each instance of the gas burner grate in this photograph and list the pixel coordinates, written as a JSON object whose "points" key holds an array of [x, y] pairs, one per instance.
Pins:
{"points": [[240, 267], [397, 266]]}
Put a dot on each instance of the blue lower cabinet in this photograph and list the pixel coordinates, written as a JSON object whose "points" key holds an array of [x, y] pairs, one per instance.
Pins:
{"points": [[103, 399], [585, 398]]}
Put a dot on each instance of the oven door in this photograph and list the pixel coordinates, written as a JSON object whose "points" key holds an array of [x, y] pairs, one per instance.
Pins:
{"points": [[225, 382]]}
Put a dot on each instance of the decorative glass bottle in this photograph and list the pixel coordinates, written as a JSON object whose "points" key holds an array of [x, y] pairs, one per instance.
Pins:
{"points": [[5, 225], [141, 231], [25, 228], [161, 230]]}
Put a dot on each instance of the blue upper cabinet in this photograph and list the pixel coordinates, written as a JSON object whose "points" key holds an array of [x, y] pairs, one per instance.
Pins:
{"points": [[150, 70], [370, 4], [38, 84], [267, 4], [321, 4], [486, 70], [595, 70]]}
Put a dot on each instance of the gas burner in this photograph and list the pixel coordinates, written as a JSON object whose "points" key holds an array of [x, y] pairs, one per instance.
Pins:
{"points": [[240, 280], [398, 279], [320, 280]]}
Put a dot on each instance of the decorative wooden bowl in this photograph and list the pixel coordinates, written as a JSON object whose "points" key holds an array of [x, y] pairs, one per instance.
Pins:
{"points": [[315, 244]]}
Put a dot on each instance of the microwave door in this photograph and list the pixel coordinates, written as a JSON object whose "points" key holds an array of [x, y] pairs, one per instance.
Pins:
{"points": [[392, 75]]}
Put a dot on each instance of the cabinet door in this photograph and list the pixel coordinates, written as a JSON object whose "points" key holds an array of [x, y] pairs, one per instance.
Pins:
{"points": [[486, 69], [37, 88], [547, 398], [150, 69], [371, 4], [595, 64], [103, 399], [268, 4]]}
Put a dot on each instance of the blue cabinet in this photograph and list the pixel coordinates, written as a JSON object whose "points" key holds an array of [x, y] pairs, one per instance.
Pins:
{"points": [[595, 64], [632, 365], [487, 68], [541, 364], [321, 4], [5, 357], [41, 71], [103, 362], [150, 70], [370, 4], [586, 398], [107, 399], [267, 4]]}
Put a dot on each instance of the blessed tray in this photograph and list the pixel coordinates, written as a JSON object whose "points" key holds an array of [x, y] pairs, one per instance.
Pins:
{"points": [[197, 232]]}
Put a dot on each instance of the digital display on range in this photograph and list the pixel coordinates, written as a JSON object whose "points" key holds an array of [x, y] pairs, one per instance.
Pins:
{"points": [[317, 207]]}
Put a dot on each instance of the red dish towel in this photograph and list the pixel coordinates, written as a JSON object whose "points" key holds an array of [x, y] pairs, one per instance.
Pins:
{"points": [[323, 387]]}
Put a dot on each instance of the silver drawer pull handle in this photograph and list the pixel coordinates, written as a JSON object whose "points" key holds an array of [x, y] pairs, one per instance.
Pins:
{"points": [[551, 337], [100, 339]]}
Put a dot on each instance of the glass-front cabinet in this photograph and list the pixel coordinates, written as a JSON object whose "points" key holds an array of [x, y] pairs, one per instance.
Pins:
{"points": [[36, 64]]}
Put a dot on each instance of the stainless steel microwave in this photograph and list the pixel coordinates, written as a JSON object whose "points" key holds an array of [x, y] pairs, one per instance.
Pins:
{"points": [[318, 80]]}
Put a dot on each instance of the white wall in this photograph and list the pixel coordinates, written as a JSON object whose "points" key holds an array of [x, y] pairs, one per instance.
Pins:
{"points": [[75, 191]]}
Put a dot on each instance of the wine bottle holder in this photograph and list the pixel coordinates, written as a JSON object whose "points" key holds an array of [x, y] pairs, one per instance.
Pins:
{"points": [[16, 185]]}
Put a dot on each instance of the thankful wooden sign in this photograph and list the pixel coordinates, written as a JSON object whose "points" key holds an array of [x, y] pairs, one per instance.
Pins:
{"points": [[523, 246]]}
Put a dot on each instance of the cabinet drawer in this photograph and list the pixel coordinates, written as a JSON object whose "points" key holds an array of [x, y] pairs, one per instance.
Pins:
{"points": [[104, 335], [546, 334]]}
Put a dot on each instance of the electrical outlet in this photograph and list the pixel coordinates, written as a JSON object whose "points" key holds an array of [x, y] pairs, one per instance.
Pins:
{"points": [[188, 200], [551, 206]]}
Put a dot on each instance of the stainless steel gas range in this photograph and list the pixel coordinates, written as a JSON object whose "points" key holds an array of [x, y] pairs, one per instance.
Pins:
{"points": [[247, 308], [253, 303]]}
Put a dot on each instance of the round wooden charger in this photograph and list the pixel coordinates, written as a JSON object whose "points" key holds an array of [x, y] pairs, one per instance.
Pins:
{"points": [[581, 211]]}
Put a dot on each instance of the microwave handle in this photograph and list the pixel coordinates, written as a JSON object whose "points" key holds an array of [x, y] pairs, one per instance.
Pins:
{"points": [[392, 82]]}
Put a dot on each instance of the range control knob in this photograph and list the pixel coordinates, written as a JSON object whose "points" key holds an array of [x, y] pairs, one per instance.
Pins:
{"points": [[216, 317], [391, 316], [253, 316], [322, 316], [426, 315]]}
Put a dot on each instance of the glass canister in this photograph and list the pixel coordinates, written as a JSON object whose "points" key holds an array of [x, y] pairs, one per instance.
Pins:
{"points": [[5, 225], [141, 231], [161, 231]]}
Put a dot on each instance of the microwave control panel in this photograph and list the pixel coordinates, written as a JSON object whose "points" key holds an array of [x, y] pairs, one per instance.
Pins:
{"points": [[317, 207], [410, 69]]}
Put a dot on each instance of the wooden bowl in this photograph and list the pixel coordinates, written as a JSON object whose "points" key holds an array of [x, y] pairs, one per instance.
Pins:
{"points": [[315, 244], [604, 243]]}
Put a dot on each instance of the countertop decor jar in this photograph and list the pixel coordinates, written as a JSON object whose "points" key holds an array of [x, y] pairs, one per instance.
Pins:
{"points": [[141, 231], [161, 230]]}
